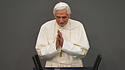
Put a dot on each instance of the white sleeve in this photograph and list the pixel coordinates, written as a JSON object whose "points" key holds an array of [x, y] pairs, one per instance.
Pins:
{"points": [[49, 51], [73, 49], [78, 48], [43, 47]]}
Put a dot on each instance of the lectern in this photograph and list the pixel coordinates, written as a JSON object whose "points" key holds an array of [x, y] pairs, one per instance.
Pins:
{"points": [[38, 65]]}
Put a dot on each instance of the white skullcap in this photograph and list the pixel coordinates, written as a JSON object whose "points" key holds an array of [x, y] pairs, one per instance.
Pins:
{"points": [[62, 6]]}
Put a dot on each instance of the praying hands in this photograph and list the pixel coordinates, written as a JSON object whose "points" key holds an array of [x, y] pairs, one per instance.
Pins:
{"points": [[59, 41]]}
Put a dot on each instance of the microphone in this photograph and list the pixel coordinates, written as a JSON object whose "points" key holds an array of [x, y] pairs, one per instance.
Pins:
{"points": [[37, 62], [97, 62]]}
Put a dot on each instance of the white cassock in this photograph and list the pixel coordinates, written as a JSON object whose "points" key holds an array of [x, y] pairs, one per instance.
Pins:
{"points": [[75, 45]]}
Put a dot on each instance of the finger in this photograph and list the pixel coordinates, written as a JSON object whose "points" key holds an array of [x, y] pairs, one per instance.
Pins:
{"points": [[57, 42], [60, 34], [61, 42], [58, 37], [58, 31]]}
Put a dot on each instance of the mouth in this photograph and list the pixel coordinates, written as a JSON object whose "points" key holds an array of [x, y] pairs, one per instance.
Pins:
{"points": [[61, 22]]}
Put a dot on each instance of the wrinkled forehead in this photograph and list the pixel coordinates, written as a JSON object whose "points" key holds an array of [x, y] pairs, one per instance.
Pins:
{"points": [[61, 11]]}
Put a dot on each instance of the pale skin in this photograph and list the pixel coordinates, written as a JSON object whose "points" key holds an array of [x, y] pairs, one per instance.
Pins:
{"points": [[62, 18]]}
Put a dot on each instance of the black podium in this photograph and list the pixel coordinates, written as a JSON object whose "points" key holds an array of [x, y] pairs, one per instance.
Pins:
{"points": [[38, 65], [66, 68], [70, 68]]}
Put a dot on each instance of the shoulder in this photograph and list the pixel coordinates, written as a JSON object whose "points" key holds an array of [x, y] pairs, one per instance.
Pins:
{"points": [[75, 23], [48, 24]]}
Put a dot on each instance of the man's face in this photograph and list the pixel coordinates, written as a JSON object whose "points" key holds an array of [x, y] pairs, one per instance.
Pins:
{"points": [[62, 17]]}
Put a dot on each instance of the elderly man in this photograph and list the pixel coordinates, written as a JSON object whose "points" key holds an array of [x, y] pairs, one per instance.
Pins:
{"points": [[63, 41]]}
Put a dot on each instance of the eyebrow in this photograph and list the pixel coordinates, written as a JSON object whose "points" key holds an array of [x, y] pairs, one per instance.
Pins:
{"points": [[61, 17]]}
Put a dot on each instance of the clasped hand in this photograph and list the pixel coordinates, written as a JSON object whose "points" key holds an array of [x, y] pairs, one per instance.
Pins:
{"points": [[59, 40]]}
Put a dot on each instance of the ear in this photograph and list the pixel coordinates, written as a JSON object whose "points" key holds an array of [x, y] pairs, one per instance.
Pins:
{"points": [[54, 16], [70, 14]]}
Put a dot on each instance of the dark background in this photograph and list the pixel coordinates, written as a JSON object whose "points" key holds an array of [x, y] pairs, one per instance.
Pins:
{"points": [[20, 21]]}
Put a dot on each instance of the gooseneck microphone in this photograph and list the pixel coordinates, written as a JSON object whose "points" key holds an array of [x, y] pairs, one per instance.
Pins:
{"points": [[37, 62]]}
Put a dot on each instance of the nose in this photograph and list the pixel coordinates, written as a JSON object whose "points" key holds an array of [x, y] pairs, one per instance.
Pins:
{"points": [[61, 20]]}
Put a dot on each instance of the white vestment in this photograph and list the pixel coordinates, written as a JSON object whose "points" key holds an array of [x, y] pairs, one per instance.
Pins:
{"points": [[75, 45]]}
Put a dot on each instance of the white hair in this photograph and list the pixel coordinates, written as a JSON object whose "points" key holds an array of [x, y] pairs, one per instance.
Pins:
{"points": [[61, 6]]}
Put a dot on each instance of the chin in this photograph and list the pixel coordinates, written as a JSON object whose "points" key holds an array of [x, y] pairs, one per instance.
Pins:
{"points": [[61, 25]]}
